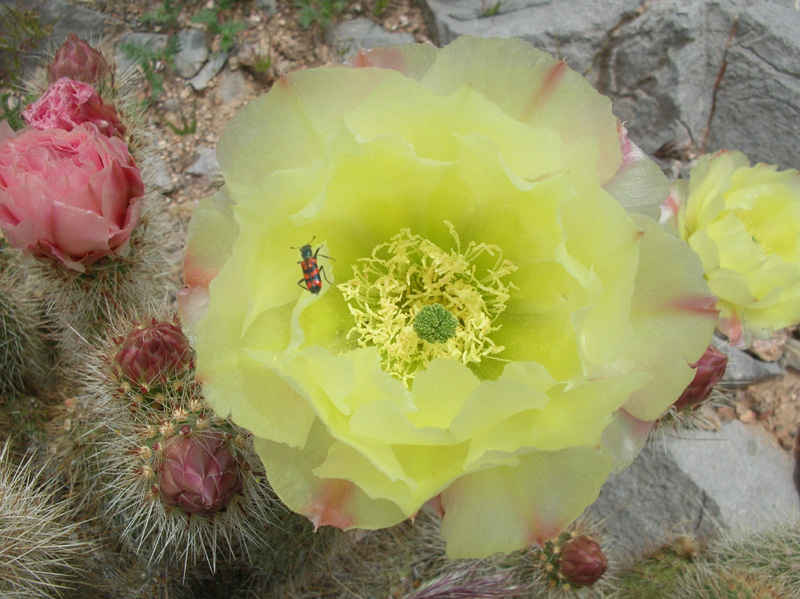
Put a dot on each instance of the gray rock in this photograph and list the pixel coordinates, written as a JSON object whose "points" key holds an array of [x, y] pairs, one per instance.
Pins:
{"points": [[156, 42], [209, 71], [791, 356], [206, 164], [735, 467], [662, 67], [643, 505], [193, 52], [660, 61], [64, 18], [735, 479], [744, 369], [758, 103], [233, 88], [347, 37], [578, 31], [67, 18], [268, 7]]}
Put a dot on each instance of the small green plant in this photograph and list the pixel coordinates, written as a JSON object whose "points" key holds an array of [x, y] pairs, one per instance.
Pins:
{"points": [[22, 31], [188, 126], [152, 61], [321, 12], [263, 62], [165, 16], [491, 11], [380, 6], [226, 30]]}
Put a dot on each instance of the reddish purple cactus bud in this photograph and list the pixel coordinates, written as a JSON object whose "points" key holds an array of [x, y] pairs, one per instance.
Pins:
{"points": [[77, 60], [151, 355], [710, 369], [582, 562], [198, 472]]}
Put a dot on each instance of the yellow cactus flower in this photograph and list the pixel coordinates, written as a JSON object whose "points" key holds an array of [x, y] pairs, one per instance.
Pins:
{"points": [[494, 331], [744, 223]]}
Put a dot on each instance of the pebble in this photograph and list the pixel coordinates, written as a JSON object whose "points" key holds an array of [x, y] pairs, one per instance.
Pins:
{"points": [[206, 164], [193, 52], [214, 65], [348, 36], [743, 369], [268, 7], [748, 416], [233, 88]]}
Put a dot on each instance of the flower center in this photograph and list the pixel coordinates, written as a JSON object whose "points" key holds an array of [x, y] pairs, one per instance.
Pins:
{"points": [[434, 324], [415, 302]]}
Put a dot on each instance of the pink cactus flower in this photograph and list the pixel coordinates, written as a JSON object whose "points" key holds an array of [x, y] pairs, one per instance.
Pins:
{"points": [[68, 103], [72, 197], [709, 370], [582, 561], [151, 354], [198, 472], [77, 60]]}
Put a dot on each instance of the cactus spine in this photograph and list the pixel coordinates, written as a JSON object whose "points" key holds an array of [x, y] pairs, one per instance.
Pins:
{"points": [[39, 554]]}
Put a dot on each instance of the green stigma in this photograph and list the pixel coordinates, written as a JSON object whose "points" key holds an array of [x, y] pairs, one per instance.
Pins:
{"points": [[416, 302], [435, 324]]}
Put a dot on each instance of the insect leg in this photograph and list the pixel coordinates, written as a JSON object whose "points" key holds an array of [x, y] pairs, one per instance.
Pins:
{"points": [[322, 270]]}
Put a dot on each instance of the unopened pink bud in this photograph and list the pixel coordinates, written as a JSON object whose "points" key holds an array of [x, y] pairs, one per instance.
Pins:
{"points": [[150, 355], [77, 60], [710, 369], [198, 472], [582, 562]]}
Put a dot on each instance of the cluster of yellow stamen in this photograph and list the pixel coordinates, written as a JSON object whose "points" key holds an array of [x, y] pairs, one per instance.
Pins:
{"points": [[415, 302]]}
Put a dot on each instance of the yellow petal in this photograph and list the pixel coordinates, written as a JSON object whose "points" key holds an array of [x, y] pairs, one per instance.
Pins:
{"points": [[510, 507], [326, 502]]}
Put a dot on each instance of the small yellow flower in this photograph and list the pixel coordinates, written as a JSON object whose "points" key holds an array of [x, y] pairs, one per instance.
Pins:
{"points": [[496, 334], [744, 223]]}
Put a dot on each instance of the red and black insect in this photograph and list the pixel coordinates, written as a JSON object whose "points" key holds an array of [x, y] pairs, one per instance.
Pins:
{"points": [[311, 270]]}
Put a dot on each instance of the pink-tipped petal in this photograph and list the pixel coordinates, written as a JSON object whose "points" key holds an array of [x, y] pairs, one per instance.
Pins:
{"points": [[333, 502], [674, 316], [208, 246], [511, 507], [639, 185], [544, 93], [412, 60], [209, 239], [624, 438]]}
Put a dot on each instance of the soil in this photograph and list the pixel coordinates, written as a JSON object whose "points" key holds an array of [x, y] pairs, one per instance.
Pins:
{"points": [[280, 38], [772, 405]]}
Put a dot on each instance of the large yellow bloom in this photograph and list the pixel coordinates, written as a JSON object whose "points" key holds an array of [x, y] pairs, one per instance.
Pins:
{"points": [[744, 223], [494, 331]]}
